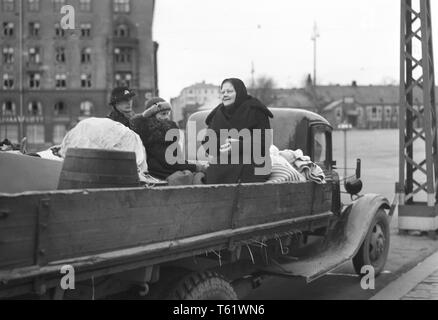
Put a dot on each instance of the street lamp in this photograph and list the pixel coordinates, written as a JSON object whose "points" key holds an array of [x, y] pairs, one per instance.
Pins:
{"points": [[345, 127], [20, 63], [314, 38]]}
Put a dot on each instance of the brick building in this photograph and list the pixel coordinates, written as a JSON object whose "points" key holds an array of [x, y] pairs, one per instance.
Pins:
{"points": [[69, 74]]}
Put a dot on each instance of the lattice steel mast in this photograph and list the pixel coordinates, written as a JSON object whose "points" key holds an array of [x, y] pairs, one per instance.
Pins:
{"points": [[418, 125]]}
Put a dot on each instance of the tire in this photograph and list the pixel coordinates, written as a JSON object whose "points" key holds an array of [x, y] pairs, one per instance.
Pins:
{"points": [[375, 248], [202, 286]]}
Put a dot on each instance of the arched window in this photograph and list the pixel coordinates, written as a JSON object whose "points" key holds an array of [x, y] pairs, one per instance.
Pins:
{"points": [[9, 109], [122, 31], [60, 108], [86, 108], [35, 108]]}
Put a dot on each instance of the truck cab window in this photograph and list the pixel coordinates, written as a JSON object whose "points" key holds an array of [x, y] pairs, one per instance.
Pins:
{"points": [[319, 147]]}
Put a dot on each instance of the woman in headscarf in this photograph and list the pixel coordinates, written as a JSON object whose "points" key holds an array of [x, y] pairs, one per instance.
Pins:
{"points": [[238, 110]]}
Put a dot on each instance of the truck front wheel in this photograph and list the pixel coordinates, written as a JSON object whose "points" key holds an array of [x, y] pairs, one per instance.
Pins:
{"points": [[203, 286], [374, 249]]}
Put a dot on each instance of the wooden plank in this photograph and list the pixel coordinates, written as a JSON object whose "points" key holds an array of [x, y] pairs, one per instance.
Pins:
{"points": [[166, 250], [42, 236], [18, 231], [92, 222], [122, 219]]}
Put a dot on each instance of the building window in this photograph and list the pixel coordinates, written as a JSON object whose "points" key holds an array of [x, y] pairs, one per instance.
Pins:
{"points": [[86, 109], [388, 112], [86, 81], [34, 5], [122, 6], [9, 109], [8, 81], [123, 79], [8, 55], [35, 109], [34, 29], [34, 80], [57, 5], [35, 133], [86, 55], [374, 113], [59, 32], [34, 55], [8, 29], [85, 5], [122, 31], [60, 54], [59, 132], [61, 81], [86, 30], [9, 131], [122, 55], [8, 5], [59, 109]]}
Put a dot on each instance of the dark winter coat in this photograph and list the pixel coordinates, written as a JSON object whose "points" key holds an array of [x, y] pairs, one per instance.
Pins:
{"points": [[247, 112], [153, 133], [119, 117]]}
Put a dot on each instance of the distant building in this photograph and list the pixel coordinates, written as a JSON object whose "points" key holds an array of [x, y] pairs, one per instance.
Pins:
{"points": [[297, 98], [365, 107], [69, 74], [199, 96]]}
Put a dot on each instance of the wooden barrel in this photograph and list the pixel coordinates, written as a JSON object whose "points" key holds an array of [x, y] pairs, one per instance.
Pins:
{"points": [[95, 168]]}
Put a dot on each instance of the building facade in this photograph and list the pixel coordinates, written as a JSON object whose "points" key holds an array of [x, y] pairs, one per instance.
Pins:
{"points": [[364, 107], [199, 96], [53, 76]]}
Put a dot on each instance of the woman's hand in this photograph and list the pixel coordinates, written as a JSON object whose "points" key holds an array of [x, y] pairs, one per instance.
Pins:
{"points": [[225, 148], [228, 145]]}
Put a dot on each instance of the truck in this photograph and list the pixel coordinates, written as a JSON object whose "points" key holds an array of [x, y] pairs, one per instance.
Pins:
{"points": [[193, 242]]}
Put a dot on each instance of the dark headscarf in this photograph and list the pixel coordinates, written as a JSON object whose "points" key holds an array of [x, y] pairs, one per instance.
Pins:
{"points": [[241, 94]]}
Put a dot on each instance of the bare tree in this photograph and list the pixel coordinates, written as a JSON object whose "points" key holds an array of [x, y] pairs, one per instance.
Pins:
{"points": [[263, 89]]}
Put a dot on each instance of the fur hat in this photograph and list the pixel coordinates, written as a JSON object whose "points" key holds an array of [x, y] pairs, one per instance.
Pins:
{"points": [[121, 94], [154, 106]]}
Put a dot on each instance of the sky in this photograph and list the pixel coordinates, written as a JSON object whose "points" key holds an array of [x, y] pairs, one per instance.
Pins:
{"points": [[210, 40]]}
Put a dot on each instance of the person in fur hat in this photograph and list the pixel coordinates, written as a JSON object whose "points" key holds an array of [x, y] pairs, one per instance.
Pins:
{"points": [[152, 127], [121, 102]]}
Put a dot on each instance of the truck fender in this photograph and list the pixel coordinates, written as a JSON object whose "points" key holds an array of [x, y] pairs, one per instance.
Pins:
{"points": [[361, 214]]}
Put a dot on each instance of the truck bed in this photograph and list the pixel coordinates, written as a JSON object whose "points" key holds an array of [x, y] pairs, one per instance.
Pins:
{"points": [[41, 228]]}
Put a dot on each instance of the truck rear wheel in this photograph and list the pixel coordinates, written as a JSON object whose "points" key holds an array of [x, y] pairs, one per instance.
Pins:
{"points": [[203, 286], [374, 249]]}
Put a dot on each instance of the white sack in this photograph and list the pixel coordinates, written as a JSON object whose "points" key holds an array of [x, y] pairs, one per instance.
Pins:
{"points": [[104, 133]]}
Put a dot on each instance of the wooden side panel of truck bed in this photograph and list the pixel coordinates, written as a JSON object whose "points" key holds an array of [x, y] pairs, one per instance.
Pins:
{"points": [[78, 223]]}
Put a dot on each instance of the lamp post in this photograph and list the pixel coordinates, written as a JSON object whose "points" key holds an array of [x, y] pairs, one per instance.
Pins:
{"points": [[345, 127], [314, 38], [20, 68]]}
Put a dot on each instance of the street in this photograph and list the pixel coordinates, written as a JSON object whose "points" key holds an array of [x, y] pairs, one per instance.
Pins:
{"points": [[343, 284]]}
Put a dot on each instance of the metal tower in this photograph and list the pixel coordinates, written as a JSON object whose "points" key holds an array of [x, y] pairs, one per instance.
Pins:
{"points": [[418, 126]]}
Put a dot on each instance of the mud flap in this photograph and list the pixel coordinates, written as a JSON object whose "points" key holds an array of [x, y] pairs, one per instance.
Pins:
{"points": [[340, 246]]}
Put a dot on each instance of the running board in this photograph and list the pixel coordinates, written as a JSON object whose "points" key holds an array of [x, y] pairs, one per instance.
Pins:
{"points": [[340, 246]]}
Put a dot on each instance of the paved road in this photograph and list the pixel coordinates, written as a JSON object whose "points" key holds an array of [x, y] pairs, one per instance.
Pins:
{"points": [[343, 284], [339, 285]]}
